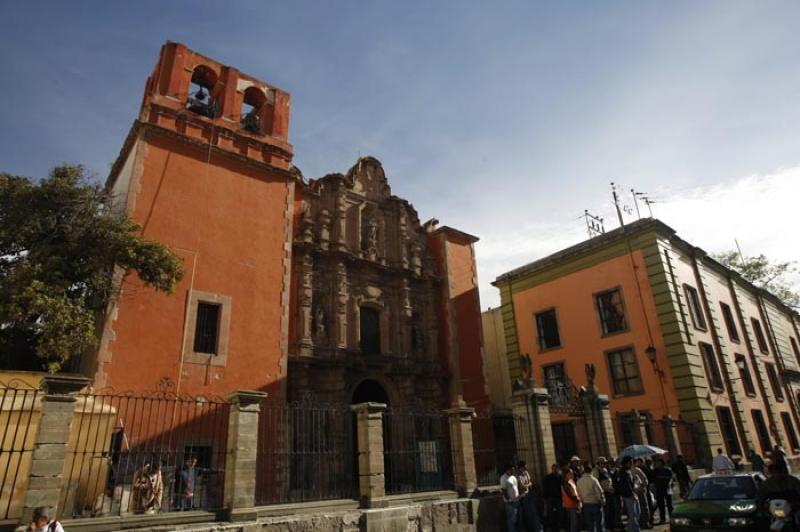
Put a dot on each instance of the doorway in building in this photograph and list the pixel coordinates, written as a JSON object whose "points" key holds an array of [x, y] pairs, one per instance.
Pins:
{"points": [[565, 441], [370, 391]]}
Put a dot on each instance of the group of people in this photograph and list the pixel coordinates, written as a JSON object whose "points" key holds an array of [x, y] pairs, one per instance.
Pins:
{"points": [[598, 494]]}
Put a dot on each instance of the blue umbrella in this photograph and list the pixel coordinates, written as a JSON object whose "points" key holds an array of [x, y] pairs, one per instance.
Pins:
{"points": [[639, 451]]}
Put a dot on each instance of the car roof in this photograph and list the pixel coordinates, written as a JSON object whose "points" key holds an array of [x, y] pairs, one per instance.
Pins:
{"points": [[729, 474]]}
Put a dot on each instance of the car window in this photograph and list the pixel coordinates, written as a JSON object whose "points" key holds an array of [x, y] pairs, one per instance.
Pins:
{"points": [[723, 488]]}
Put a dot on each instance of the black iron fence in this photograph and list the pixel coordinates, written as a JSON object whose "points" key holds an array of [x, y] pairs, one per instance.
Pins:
{"points": [[494, 443], [416, 443], [306, 452], [137, 453], [19, 419]]}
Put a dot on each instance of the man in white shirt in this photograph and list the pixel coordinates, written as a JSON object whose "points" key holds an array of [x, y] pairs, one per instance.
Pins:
{"points": [[722, 462], [509, 486], [591, 495]]}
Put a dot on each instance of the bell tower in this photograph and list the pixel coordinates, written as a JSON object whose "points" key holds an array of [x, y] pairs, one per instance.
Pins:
{"points": [[206, 170], [211, 102]]}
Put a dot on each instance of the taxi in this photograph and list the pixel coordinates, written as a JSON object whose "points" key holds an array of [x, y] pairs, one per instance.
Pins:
{"points": [[721, 501]]}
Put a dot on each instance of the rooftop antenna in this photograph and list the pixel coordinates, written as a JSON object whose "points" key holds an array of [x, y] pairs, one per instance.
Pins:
{"points": [[649, 203], [594, 224], [616, 204], [636, 203]]}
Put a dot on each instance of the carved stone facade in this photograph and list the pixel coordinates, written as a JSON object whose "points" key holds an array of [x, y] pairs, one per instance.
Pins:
{"points": [[362, 263]]}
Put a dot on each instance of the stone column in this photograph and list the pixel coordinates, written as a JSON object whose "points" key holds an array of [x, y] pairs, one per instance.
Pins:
{"points": [[371, 479], [641, 429], [464, 475], [533, 429], [599, 427], [240, 462], [671, 435], [50, 450], [306, 302]]}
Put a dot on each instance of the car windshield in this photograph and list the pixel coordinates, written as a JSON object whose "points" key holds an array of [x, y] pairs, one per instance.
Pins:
{"points": [[723, 488]]}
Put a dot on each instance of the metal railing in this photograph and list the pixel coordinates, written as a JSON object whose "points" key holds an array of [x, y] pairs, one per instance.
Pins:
{"points": [[306, 452], [144, 453], [416, 444], [20, 412]]}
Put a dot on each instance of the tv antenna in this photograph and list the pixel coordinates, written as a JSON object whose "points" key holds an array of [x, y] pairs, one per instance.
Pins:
{"points": [[594, 224], [645, 198], [616, 204]]}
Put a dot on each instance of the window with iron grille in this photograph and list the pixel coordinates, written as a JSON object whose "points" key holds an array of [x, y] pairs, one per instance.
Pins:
{"points": [[555, 378], [730, 323], [789, 428], [206, 332], [761, 429], [760, 338], [728, 430], [611, 309], [547, 329], [695, 310], [624, 371], [712, 368], [774, 381], [744, 374]]}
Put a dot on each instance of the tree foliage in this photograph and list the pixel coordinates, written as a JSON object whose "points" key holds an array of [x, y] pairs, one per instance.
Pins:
{"points": [[60, 242], [771, 276]]}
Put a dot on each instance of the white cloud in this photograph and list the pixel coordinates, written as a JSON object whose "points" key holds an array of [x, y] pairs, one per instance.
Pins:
{"points": [[760, 211]]}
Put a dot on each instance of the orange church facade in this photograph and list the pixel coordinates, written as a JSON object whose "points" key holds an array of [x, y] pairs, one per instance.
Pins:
{"points": [[290, 284]]}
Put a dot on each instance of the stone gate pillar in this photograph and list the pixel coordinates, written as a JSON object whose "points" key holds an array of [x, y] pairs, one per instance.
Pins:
{"points": [[463, 453], [240, 462], [371, 478], [599, 426], [533, 429], [50, 450]]}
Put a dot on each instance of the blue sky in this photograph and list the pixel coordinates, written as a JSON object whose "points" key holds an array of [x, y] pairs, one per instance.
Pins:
{"points": [[504, 119]]}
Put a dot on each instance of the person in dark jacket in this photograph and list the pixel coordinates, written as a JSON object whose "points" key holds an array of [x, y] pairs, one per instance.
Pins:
{"points": [[662, 480], [756, 462], [627, 487], [186, 484], [682, 474], [551, 490]]}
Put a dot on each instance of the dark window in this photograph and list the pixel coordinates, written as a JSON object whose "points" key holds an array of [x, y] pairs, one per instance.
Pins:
{"points": [[730, 323], [795, 349], [555, 379], [370, 331], [744, 374], [206, 330], [728, 430], [761, 429], [695, 310], [612, 311], [789, 427], [712, 368], [624, 372], [760, 338], [774, 381], [627, 428], [547, 329]]}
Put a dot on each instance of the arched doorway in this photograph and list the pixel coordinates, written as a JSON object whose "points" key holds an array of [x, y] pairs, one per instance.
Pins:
{"points": [[370, 391]]}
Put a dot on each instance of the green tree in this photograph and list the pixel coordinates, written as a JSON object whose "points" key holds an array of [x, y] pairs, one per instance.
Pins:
{"points": [[61, 240], [771, 276]]}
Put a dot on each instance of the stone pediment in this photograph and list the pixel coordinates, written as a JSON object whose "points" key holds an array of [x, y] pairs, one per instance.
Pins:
{"points": [[368, 179]]}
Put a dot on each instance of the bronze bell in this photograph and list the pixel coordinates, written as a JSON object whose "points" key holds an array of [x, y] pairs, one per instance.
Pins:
{"points": [[200, 94]]}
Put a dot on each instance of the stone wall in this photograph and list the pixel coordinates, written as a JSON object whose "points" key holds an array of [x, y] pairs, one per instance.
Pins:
{"points": [[482, 514]]}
